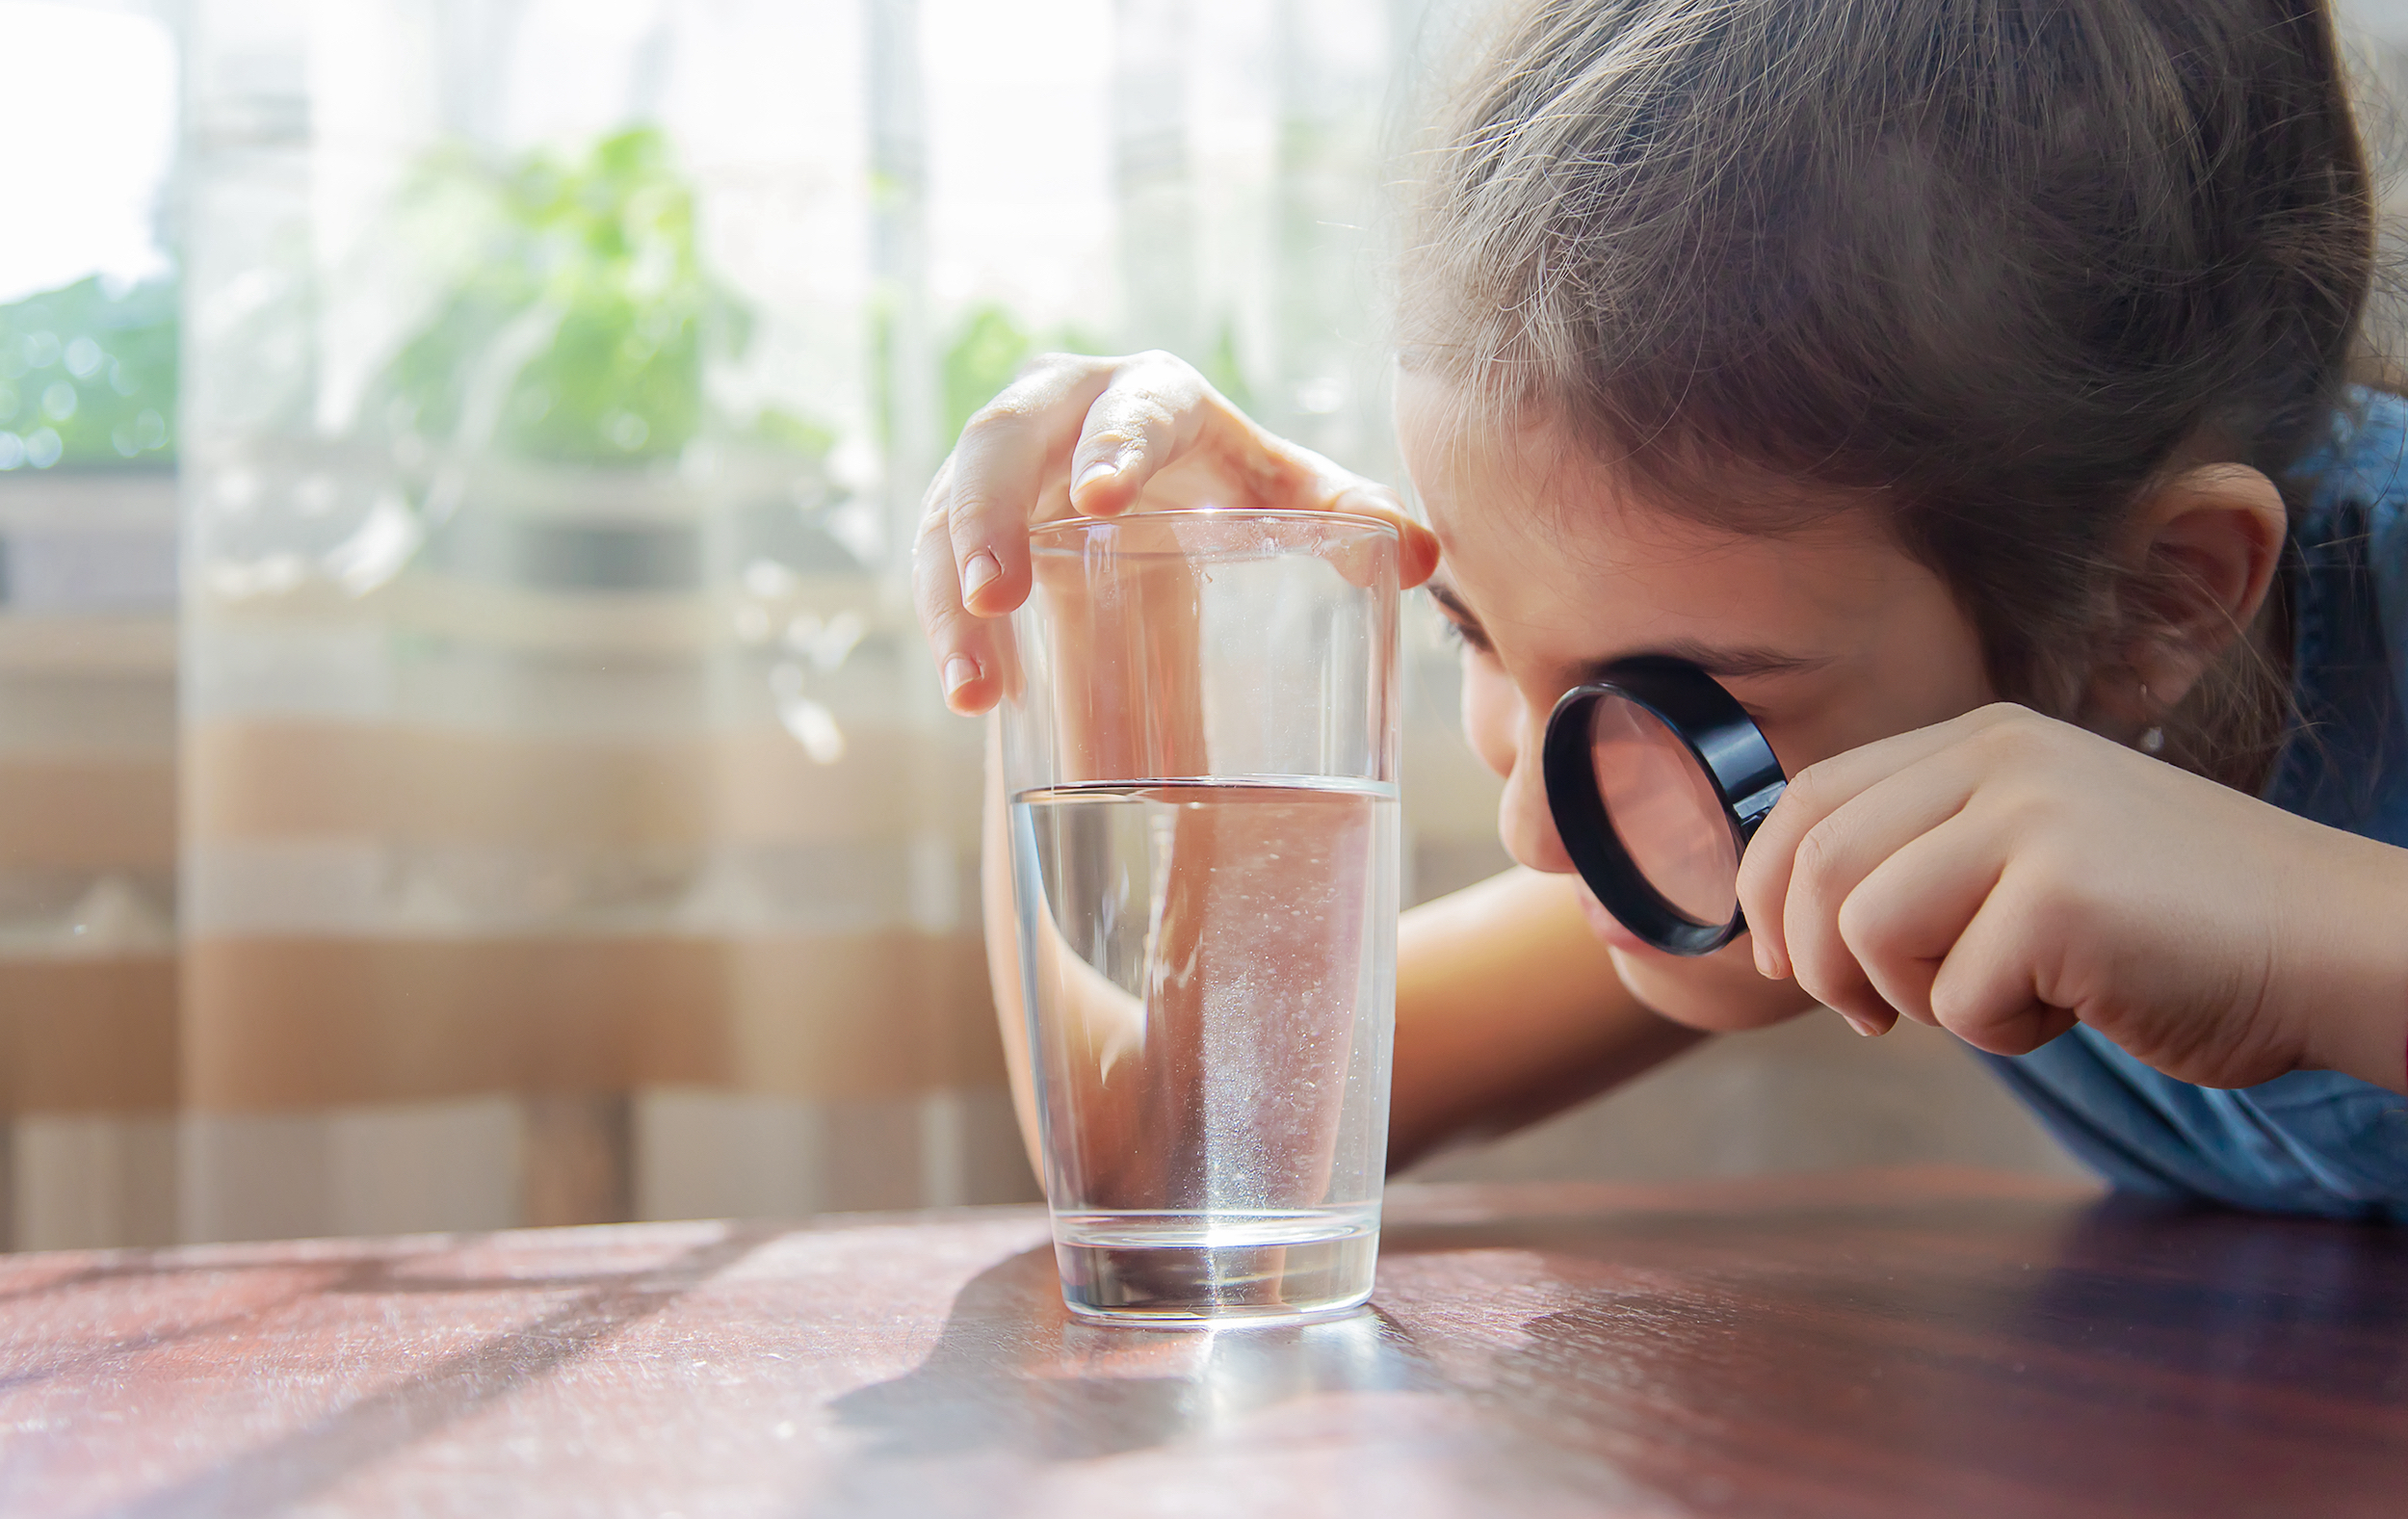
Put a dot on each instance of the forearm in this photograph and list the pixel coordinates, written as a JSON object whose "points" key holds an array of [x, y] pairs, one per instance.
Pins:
{"points": [[2350, 968], [1508, 1009], [1003, 943]]}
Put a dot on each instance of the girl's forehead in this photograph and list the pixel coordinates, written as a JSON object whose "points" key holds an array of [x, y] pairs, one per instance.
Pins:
{"points": [[1454, 450], [1543, 540], [1588, 572]]}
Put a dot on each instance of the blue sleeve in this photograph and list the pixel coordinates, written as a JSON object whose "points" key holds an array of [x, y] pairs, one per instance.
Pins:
{"points": [[2359, 507], [2312, 1141]]}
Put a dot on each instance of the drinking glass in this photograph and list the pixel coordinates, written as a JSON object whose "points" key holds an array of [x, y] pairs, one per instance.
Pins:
{"points": [[1200, 753]]}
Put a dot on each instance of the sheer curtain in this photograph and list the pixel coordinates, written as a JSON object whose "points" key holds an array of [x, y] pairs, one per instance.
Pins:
{"points": [[570, 826], [88, 1068]]}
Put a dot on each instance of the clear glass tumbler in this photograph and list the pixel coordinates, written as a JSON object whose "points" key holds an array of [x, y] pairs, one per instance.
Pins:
{"points": [[1200, 751]]}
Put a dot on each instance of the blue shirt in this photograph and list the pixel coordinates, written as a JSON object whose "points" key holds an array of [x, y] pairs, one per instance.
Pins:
{"points": [[2313, 1143]]}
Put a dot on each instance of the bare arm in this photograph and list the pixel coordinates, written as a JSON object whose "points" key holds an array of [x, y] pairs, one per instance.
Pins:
{"points": [[1508, 1007], [1003, 945]]}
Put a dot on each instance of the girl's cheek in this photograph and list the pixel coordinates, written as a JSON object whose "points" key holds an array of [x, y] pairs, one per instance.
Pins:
{"points": [[1491, 711]]}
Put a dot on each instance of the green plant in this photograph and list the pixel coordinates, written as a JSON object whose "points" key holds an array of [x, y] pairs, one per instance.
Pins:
{"points": [[572, 330], [1222, 367], [989, 344], [986, 350], [578, 313], [88, 377]]}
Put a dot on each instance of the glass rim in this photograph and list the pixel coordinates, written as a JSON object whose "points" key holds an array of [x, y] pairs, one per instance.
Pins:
{"points": [[1065, 526]]}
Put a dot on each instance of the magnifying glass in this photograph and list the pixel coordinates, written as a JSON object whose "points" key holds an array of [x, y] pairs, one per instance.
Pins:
{"points": [[1658, 778]]}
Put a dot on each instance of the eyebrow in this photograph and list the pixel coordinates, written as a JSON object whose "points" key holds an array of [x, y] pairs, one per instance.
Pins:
{"points": [[1713, 659]]}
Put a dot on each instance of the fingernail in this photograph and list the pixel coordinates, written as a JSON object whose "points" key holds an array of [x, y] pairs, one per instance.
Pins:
{"points": [[960, 671], [1092, 474], [977, 574], [1862, 1025]]}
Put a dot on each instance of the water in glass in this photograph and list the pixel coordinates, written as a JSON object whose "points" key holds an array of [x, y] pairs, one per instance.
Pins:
{"points": [[1209, 973]]}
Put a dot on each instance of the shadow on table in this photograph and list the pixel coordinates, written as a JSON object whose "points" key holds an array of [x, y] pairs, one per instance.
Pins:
{"points": [[1014, 1372], [2125, 1357], [597, 1307], [1949, 1356], [2313, 1303]]}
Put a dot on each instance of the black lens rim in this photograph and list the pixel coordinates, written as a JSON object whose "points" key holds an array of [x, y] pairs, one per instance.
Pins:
{"points": [[1738, 761]]}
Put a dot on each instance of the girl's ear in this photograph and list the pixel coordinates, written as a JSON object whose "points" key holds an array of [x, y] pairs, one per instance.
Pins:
{"points": [[2199, 556]]}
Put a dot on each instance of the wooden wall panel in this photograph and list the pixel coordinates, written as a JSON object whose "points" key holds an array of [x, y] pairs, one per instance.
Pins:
{"points": [[88, 1035], [285, 1023], [87, 813]]}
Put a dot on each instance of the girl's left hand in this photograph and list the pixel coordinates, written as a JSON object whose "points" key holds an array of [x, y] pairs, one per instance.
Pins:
{"points": [[2004, 876]]}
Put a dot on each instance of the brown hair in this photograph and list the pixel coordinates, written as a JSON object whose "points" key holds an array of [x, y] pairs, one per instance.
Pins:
{"points": [[1999, 263]]}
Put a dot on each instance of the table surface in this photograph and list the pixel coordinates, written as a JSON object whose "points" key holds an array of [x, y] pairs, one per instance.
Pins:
{"points": [[1907, 1342]]}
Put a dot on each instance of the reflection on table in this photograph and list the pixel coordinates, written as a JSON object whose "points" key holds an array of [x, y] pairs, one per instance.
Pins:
{"points": [[1905, 1341]]}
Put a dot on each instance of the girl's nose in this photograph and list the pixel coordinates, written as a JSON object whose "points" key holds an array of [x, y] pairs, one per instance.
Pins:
{"points": [[1524, 820]]}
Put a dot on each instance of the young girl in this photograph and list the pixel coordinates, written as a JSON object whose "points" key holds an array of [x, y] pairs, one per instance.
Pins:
{"points": [[1962, 383]]}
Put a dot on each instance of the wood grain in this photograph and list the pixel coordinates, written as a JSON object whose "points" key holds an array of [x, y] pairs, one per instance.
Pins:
{"points": [[1870, 1344]]}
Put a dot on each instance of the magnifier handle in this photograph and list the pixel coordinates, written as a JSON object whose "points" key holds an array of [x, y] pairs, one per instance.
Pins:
{"points": [[1755, 807]]}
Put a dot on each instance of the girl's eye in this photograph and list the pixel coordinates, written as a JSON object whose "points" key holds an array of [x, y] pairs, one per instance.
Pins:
{"points": [[1463, 637]]}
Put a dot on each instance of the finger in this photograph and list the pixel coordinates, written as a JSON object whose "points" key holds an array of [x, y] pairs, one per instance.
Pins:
{"points": [[1812, 796], [1902, 920], [1154, 409], [1159, 412], [1285, 473], [1835, 856], [1140, 416], [1848, 992], [964, 644], [1987, 991], [1336, 489], [1000, 468]]}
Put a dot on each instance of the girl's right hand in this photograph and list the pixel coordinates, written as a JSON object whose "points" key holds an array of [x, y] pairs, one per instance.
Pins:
{"points": [[1094, 437]]}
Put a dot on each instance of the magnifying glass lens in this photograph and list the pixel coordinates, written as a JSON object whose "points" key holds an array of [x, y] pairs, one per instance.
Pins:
{"points": [[1664, 807]]}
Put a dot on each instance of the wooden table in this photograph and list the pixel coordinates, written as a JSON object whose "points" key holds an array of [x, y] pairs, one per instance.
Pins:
{"points": [[1919, 1341]]}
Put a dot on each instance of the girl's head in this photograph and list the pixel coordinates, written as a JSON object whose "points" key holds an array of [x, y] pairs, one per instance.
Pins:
{"points": [[1904, 354]]}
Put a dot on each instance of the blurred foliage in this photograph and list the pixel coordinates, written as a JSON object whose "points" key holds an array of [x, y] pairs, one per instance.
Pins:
{"points": [[88, 377], [1221, 366], [986, 350], [989, 344], [578, 324]]}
